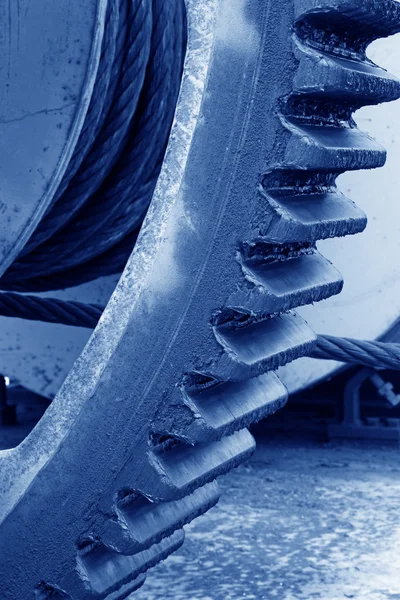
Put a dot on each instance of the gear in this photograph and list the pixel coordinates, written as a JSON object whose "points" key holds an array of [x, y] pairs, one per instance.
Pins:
{"points": [[182, 360]]}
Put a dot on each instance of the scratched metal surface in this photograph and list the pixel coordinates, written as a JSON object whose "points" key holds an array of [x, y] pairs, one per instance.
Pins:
{"points": [[300, 521]]}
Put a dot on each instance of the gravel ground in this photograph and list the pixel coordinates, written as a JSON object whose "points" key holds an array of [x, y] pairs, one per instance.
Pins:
{"points": [[300, 521]]}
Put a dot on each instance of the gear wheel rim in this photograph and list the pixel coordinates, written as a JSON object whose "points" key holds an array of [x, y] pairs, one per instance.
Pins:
{"points": [[113, 316]]}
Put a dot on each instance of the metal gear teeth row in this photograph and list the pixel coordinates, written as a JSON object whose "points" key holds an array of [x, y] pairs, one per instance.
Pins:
{"points": [[114, 576], [256, 332]]}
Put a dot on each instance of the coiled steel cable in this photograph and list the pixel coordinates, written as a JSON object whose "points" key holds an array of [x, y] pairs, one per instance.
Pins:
{"points": [[375, 354], [92, 225]]}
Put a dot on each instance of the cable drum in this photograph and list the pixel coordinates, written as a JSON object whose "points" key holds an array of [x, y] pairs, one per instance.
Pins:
{"points": [[92, 223]]}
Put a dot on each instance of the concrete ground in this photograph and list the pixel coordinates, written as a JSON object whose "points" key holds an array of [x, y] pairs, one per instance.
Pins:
{"points": [[302, 520]]}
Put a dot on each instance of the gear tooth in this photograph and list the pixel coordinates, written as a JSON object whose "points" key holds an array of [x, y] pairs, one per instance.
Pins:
{"points": [[142, 523], [113, 576], [283, 276], [261, 346], [222, 407], [180, 418], [125, 592], [182, 468], [117, 537], [334, 77], [382, 15], [46, 591], [231, 406], [335, 80], [331, 149], [375, 18], [83, 590], [301, 211]]}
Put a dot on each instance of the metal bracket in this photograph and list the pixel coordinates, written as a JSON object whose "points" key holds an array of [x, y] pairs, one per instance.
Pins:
{"points": [[356, 427]]}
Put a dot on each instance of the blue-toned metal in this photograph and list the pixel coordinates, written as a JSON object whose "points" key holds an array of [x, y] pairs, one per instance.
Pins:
{"points": [[103, 197], [352, 425], [182, 359], [49, 55]]}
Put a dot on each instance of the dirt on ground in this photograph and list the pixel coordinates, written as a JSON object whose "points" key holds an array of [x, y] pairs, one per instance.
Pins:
{"points": [[302, 520]]}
